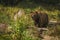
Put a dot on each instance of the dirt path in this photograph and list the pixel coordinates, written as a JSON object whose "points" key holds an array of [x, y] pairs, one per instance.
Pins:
{"points": [[46, 37], [36, 31]]}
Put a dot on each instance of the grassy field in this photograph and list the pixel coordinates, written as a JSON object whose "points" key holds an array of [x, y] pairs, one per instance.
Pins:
{"points": [[17, 30]]}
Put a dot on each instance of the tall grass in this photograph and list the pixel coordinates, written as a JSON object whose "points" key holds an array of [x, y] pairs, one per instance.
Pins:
{"points": [[18, 29]]}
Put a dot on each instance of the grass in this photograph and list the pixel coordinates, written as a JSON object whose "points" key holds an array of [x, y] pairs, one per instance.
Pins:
{"points": [[18, 27]]}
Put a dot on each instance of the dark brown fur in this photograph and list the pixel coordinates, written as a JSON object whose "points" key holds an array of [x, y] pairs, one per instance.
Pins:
{"points": [[40, 19]]}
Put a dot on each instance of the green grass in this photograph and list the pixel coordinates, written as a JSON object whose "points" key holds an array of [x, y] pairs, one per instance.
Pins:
{"points": [[18, 27]]}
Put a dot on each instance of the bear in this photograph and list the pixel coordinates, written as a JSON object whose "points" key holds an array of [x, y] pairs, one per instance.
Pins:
{"points": [[40, 19]]}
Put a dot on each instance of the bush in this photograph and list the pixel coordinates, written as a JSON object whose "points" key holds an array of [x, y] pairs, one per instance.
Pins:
{"points": [[9, 2]]}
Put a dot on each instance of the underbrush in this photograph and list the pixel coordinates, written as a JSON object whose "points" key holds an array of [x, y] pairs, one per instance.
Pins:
{"points": [[17, 30]]}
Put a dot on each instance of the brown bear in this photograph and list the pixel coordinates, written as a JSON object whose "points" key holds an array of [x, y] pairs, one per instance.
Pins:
{"points": [[40, 19]]}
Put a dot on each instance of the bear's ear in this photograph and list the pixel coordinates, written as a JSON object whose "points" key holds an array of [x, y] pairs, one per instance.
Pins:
{"points": [[31, 14], [36, 12]]}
